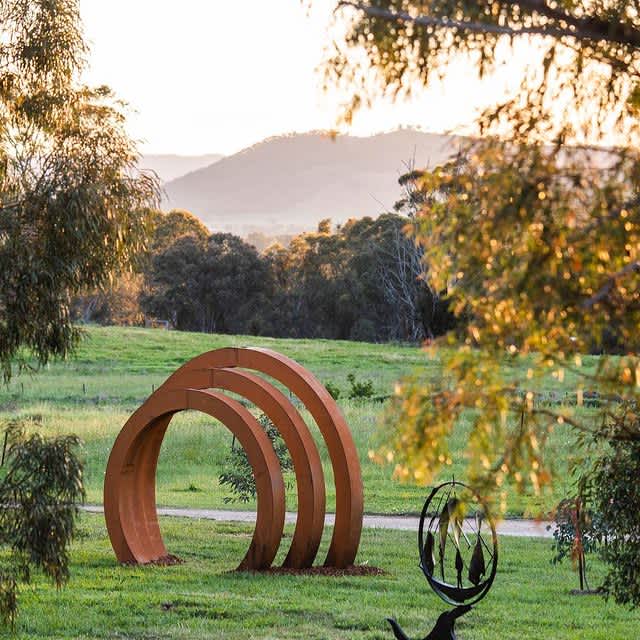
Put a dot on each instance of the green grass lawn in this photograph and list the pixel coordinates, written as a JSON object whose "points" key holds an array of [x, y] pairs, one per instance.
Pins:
{"points": [[115, 369], [203, 599]]}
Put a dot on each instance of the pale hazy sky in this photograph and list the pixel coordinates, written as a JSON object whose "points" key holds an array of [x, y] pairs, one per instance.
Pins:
{"points": [[215, 76]]}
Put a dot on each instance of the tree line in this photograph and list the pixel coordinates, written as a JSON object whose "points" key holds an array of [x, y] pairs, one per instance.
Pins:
{"points": [[364, 280]]}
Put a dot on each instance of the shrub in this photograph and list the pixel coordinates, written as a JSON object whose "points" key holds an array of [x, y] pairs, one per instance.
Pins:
{"points": [[333, 389], [615, 492], [359, 390], [237, 473], [41, 486]]}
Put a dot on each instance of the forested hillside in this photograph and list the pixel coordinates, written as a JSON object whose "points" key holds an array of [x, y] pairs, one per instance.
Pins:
{"points": [[364, 280]]}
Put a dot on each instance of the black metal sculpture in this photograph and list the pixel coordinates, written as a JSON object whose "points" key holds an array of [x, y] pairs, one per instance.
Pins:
{"points": [[455, 515]]}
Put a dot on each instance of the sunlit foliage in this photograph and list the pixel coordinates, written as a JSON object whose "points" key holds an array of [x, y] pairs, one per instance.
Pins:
{"points": [[534, 234], [540, 253]]}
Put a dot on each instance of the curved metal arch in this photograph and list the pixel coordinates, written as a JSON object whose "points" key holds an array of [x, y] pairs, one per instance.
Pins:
{"points": [[340, 445], [304, 455], [129, 495]]}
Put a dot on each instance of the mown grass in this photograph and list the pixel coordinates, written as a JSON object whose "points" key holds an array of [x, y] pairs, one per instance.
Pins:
{"points": [[203, 598], [115, 369]]}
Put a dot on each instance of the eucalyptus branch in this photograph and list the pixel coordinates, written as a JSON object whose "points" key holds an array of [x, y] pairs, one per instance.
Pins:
{"points": [[592, 28], [605, 290], [447, 23], [13, 205]]}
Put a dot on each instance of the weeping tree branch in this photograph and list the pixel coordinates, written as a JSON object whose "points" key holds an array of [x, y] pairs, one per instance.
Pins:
{"points": [[591, 29], [447, 23], [607, 287]]}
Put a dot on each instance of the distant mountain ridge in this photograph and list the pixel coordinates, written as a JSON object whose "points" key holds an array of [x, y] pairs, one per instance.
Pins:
{"points": [[170, 166], [289, 183]]}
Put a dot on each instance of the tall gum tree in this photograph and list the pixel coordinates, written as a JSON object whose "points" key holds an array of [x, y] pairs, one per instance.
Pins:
{"points": [[73, 211], [72, 204], [534, 230]]}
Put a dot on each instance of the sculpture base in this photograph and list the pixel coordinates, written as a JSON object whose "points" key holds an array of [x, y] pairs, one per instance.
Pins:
{"points": [[444, 628]]}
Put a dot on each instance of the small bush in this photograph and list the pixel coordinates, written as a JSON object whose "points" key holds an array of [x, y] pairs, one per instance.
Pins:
{"points": [[615, 492], [237, 473], [41, 485], [359, 390], [333, 389]]}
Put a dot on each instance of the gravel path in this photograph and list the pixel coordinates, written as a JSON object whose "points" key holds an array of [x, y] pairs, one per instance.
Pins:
{"points": [[518, 528]]}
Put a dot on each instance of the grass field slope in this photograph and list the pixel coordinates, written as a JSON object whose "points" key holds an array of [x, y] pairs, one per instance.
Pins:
{"points": [[115, 369], [113, 372]]}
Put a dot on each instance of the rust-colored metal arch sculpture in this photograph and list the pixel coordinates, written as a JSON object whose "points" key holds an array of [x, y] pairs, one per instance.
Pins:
{"points": [[130, 508], [304, 455], [132, 530]]}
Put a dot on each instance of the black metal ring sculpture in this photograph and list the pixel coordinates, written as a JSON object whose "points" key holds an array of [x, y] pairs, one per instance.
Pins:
{"points": [[447, 517]]}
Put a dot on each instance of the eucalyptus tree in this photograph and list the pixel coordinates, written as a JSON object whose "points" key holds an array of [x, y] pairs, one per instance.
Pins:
{"points": [[168, 227], [582, 58], [72, 205], [72, 213], [218, 284], [533, 228]]}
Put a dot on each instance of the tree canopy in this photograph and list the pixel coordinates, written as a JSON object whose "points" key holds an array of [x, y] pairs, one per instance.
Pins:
{"points": [[537, 244], [535, 234], [72, 204], [364, 280], [166, 228], [532, 230], [583, 59]]}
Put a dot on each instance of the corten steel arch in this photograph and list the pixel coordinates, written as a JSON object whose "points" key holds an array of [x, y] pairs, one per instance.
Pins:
{"points": [[304, 455], [132, 530], [130, 478]]}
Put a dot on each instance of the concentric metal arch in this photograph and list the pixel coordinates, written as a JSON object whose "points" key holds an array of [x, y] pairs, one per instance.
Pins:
{"points": [[130, 508], [133, 526]]}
